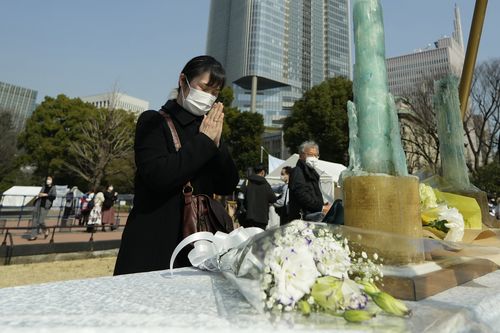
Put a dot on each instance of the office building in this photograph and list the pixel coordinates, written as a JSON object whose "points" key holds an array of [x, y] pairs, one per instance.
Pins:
{"points": [[19, 102], [443, 57], [118, 101], [275, 50]]}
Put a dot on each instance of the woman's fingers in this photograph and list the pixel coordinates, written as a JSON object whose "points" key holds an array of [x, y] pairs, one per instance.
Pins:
{"points": [[213, 123], [213, 114], [220, 114]]}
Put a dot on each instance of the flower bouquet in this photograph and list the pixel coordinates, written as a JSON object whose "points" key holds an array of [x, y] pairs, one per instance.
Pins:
{"points": [[306, 267], [438, 218]]}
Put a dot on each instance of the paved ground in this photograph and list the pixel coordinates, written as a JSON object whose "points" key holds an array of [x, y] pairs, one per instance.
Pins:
{"points": [[49, 270], [75, 234]]}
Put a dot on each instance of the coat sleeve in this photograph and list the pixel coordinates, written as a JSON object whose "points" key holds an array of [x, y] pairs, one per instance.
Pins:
{"points": [[161, 170], [299, 190], [226, 174], [281, 201], [271, 197], [52, 194]]}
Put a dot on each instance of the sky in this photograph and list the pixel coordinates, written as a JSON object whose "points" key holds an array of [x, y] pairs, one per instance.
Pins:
{"points": [[86, 47]]}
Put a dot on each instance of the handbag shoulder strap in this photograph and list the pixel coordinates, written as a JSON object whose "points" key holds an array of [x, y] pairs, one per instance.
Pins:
{"points": [[188, 189], [171, 126]]}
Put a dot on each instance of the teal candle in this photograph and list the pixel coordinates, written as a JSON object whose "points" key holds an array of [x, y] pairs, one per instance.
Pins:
{"points": [[451, 133], [377, 144]]}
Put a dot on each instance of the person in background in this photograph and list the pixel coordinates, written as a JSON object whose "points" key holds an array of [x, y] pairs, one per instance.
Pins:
{"points": [[282, 204], [258, 195], [497, 210], [306, 199], [69, 206], [43, 203], [86, 204], [108, 209], [95, 217]]}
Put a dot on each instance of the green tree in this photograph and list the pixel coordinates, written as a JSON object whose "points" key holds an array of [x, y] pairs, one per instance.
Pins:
{"points": [[79, 144], [48, 134], [321, 115], [242, 132], [121, 174], [487, 178], [226, 96], [244, 139]]}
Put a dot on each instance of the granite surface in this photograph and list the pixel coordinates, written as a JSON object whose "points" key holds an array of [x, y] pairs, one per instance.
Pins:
{"points": [[195, 301]]}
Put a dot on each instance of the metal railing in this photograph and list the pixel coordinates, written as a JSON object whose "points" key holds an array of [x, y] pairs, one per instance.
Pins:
{"points": [[24, 207], [19, 217]]}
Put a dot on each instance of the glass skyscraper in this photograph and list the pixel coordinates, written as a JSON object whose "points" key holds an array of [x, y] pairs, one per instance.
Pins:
{"points": [[281, 47], [18, 101]]}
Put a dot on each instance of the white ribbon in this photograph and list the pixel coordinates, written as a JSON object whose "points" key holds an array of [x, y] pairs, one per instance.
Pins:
{"points": [[208, 245]]}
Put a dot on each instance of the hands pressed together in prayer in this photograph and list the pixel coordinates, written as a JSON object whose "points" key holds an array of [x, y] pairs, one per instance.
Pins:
{"points": [[213, 122]]}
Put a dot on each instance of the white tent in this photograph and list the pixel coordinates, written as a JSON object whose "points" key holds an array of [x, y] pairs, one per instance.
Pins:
{"points": [[18, 196], [329, 172], [61, 191], [273, 163]]}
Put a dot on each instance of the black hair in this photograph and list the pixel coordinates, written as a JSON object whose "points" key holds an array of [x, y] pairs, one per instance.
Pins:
{"points": [[288, 170], [202, 64], [259, 168]]}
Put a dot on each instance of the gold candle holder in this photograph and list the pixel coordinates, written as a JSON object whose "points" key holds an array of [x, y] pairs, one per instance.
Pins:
{"points": [[387, 204]]}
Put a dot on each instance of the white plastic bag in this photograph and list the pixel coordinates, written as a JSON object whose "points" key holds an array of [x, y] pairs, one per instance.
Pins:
{"points": [[274, 219]]}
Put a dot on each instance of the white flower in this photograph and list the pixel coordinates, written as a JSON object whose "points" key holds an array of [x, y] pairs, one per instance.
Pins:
{"points": [[455, 222], [427, 196], [332, 258], [296, 276], [353, 296]]}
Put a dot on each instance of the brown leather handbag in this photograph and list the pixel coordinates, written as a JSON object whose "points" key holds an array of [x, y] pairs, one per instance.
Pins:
{"points": [[201, 212]]}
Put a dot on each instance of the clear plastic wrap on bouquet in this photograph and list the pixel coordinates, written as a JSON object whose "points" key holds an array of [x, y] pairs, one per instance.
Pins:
{"points": [[320, 269], [309, 267]]}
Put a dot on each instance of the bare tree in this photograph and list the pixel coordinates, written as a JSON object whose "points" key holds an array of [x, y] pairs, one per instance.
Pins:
{"points": [[418, 127], [482, 122], [108, 137]]}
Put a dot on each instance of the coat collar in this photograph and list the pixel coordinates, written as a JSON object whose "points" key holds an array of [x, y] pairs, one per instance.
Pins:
{"points": [[179, 113], [309, 172]]}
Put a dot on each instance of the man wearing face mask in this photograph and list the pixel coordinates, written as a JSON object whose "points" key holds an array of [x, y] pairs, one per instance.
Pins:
{"points": [[305, 194], [154, 226]]}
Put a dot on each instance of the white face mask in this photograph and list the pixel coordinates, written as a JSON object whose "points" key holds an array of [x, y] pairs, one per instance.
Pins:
{"points": [[311, 161], [197, 101]]}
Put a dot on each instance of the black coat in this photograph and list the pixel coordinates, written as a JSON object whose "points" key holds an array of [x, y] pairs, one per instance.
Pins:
{"points": [[154, 226], [46, 202], [258, 196], [305, 194], [109, 200]]}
